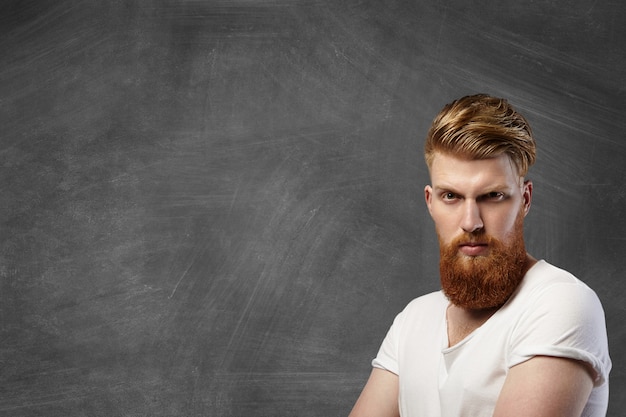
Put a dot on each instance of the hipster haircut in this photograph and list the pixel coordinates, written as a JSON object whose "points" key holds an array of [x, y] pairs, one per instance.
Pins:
{"points": [[481, 127]]}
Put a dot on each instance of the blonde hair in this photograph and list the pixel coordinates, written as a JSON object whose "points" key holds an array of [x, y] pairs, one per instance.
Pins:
{"points": [[481, 127]]}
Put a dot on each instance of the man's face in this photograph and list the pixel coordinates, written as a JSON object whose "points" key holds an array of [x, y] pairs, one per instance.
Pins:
{"points": [[478, 207]]}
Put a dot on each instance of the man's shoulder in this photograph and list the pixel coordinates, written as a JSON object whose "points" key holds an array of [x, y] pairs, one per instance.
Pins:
{"points": [[431, 302], [544, 276], [422, 315], [556, 289], [547, 270]]}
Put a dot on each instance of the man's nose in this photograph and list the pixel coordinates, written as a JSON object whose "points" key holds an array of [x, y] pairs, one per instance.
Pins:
{"points": [[471, 221]]}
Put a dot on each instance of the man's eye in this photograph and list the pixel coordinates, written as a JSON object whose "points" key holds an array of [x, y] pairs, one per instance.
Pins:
{"points": [[494, 196], [449, 196]]}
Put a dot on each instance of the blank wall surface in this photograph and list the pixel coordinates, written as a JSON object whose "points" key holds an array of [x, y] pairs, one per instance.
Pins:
{"points": [[216, 208]]}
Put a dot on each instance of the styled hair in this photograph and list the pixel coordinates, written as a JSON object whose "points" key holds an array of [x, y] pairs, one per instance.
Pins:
{"points": [[481, 127]]}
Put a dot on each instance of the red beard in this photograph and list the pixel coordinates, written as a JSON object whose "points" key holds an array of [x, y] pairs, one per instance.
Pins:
{"points": [[483, 282]]}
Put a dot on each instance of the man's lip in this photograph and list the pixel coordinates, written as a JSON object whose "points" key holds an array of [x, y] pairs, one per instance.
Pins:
{"points": [[473, 244], [473, 248]]}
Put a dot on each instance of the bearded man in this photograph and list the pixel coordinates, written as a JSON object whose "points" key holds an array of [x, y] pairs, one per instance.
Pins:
{"points": [[507, 335]]}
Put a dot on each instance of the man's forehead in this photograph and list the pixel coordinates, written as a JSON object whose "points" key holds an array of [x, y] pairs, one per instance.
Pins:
{"points": [[451, 170]]}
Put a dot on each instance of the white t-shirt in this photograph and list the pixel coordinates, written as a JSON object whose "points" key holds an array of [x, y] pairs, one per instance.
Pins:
{"points": [[551, 313]]}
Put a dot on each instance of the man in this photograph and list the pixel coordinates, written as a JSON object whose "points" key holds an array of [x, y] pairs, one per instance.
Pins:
{"points": [[508, 335]]}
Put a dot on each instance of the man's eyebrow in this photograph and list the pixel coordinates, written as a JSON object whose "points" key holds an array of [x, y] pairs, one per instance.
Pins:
{"points": [[439, 190], [485, 190], [444, 187], [498, 187]]}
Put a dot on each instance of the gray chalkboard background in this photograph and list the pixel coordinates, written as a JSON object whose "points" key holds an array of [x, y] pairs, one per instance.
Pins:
{"points": [[215, 208]]}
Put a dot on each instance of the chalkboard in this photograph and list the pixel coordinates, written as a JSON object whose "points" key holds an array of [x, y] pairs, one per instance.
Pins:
{"points": [[215, 208]]}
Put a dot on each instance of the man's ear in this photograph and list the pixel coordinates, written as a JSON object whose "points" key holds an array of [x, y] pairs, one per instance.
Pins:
{"points": [[527, 195], [428, 196]]}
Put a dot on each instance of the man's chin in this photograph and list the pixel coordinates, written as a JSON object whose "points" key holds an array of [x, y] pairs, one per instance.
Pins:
{"points": [[484, 281]]}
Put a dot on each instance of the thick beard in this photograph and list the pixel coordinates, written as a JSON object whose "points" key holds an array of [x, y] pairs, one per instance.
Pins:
{"points": [[483, 282]]}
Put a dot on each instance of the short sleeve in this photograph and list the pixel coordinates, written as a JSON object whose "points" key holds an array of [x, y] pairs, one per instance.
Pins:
{"points": [[565, 320], [387, 357]]}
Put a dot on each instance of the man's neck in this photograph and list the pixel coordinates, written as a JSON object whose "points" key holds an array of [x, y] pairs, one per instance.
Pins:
{"points": [[462, 322]]}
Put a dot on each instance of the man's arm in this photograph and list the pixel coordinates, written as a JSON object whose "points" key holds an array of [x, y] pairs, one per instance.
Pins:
{"points": [[545, 386], [379, 398]]}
